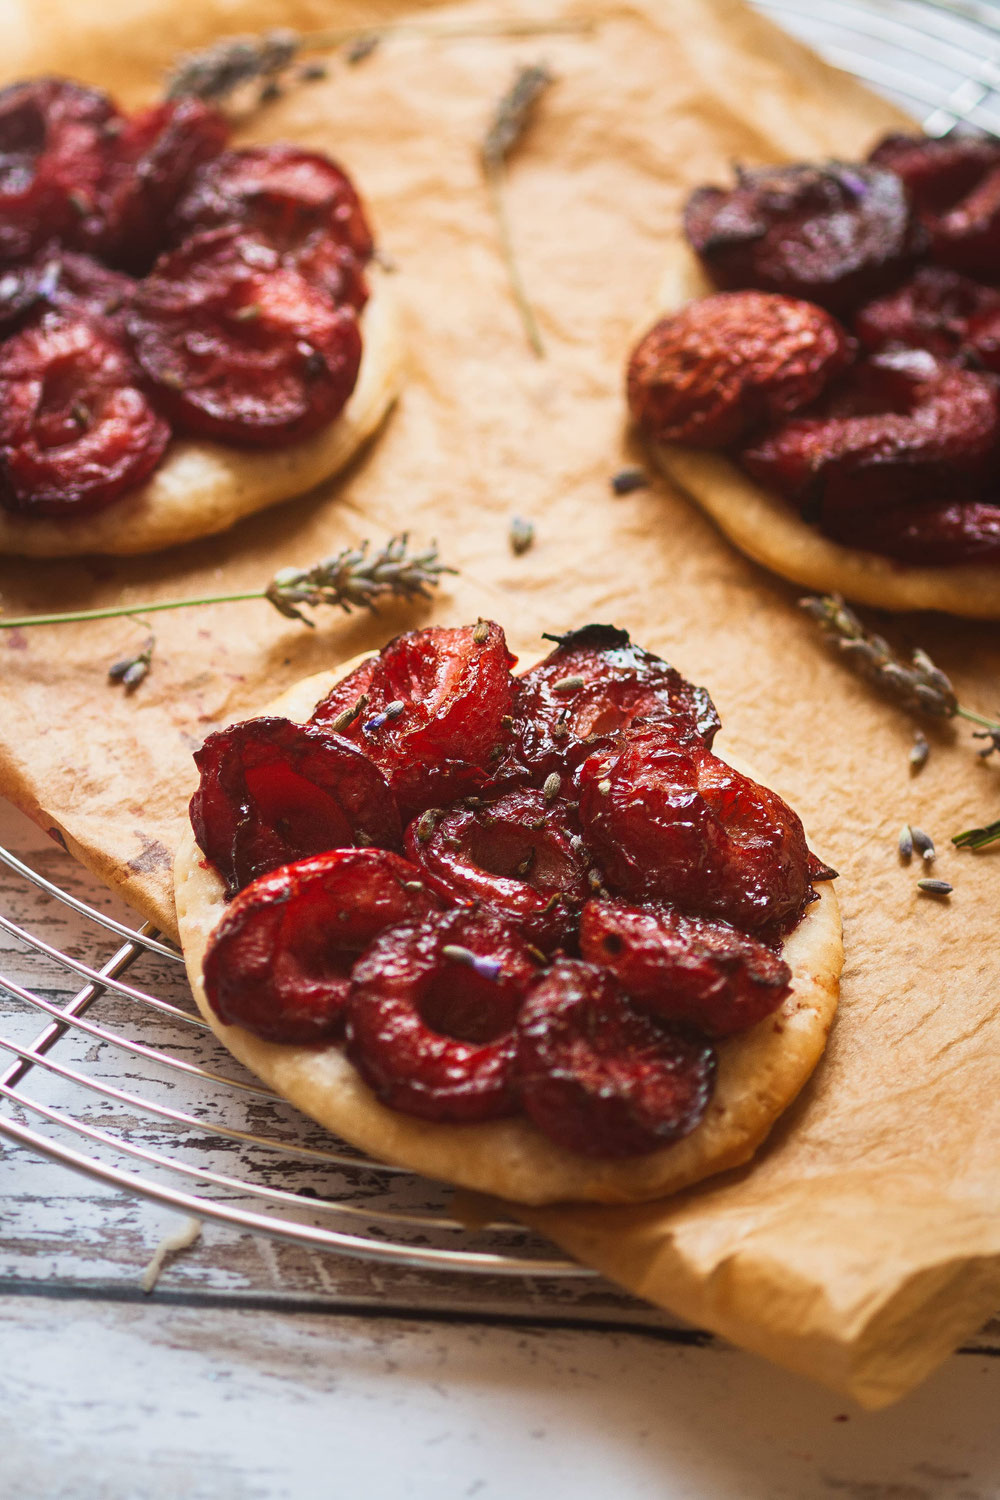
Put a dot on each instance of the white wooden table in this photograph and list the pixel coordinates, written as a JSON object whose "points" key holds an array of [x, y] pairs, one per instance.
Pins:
{"points": [[258, 1369]]}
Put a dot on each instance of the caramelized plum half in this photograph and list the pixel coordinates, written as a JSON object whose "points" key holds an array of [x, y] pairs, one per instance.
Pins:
{"points": [[437, 715], [147, 166], [240, 350], [722, 365], [76, 431], [54, 136], [682, 968], [954, 183], [272, 792], [908, 429], [279, 962], [431, 1016], [938, 170], [601, 1078], [671, 822], [282, 194], [593, 684], [519, 856], [932, 311], [836, 235], [932, 533]]}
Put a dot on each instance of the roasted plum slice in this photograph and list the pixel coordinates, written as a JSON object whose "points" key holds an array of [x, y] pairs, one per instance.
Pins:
{"points": [[436, 711], [933, 310], [68, 281], [954, 183], [682, 968], [519, 856], [147, 167], [238, 351], [432, 1012], [281, 194], [272, 792], [75, 429], [720, 366], [836, 235], [54, 135], [593, 684], [669, 821], [279, 962], [601, 1078], [908, 429], [938, 170], [932, 533]]}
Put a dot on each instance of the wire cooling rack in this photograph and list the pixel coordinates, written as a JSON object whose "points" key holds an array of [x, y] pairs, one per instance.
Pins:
{"points": [[189, 1131]]}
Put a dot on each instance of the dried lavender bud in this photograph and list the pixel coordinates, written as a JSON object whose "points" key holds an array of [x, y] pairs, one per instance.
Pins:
{"points": [[920, 751], [993, 736], [568, 685], [923, 844], [489, 968], [218, 71], [551, 785], [131, 670], [348, 716], [481, 633], [935, 887], [390, 712], [513, 113], [521, 535], [360, 48], [905, 843], [427, 824], [627, 480]]}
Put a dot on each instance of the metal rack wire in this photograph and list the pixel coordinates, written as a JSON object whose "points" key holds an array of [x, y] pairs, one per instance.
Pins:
{"points": [[235, 1152]]}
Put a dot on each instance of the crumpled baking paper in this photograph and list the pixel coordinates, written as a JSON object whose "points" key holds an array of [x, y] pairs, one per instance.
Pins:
{"points": [[864, 1242]]}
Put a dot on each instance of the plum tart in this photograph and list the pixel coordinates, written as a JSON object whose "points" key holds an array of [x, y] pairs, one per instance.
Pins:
{"points": [[526, 933], [824, 378], [188, 332]]}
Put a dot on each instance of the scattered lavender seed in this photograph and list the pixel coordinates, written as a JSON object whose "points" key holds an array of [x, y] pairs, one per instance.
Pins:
{"points": [[360, 48], [923, 844], [920, 751], [905, 844], [551, 785], [521, 535], [568, 685], [481, 631], [489, 968], [348, 716], [935, 887], [627, 480]]}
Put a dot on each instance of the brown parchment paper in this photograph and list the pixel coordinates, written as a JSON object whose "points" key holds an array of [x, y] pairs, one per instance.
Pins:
{"points": [[864, 1243]]}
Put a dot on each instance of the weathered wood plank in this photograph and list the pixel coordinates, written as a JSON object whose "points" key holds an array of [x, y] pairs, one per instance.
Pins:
{"points": [[242, 1405]]}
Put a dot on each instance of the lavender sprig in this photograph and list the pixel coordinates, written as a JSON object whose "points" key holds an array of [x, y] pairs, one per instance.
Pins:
{"points": [[511, 118], [352, 579], [217, 72], [919, 686]]}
